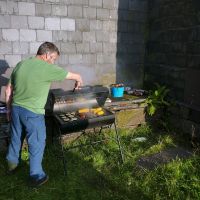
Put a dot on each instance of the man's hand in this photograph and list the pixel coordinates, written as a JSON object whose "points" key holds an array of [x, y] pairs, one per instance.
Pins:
{"points": [[77, 85], [76, 77]]}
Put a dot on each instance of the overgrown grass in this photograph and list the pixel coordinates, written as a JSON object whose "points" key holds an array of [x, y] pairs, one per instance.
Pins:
{"points": [[95, 172]]}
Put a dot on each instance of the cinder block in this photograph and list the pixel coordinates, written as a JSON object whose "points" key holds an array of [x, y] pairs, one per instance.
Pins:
{"points": [[96, 3], [26, 8], [3, 7], [53, 1], [26, 56], [2, 58], [138, 5], [122, 26], [124, 15], [20, 47], [103, 14], [43, 35], [122, 48], [77, 2], [63, 59], [60, 36], [12, 60], [68, 48], [34, 47], [109, 25], [1, 38], [89, 37], [57, 44], [27, 35], [139, 17], [19, 22], [89, 58], [104, 69], [43, 9], [83, 25], [75, 11], [113, 14], [96, 47], [12, 8], [136, 48], [67, 24], [109, 47], [113, 37], [5, 47], [83, 47], [102, 36], [110, 4], [89, 12], [36, 22], [10, 34], [124, 5], [96, 25], [5, 21], [59, 10], [75, 58], [37, 1], [75, 37], [106, 58], [52, 23]]}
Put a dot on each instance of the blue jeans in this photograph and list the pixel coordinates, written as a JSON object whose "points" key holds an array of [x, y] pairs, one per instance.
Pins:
{"points": [[34, 126]]}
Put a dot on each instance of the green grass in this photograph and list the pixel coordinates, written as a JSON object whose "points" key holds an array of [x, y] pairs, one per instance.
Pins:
{"points": [[95, 172]]}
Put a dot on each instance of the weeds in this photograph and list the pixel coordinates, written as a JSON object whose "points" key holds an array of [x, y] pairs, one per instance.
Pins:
{"points": [[96, 173]]}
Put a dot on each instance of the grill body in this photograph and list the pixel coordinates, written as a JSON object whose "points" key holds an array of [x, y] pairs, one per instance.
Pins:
{"points": [[63, 106]]}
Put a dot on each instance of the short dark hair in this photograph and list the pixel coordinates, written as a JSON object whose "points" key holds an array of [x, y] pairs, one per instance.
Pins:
{"points": [[47, 47]]}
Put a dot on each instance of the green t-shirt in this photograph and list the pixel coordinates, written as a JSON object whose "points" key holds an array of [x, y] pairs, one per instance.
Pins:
{"points": [[31, 80]]}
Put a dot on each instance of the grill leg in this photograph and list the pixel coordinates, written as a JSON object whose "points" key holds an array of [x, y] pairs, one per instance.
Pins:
{"points": [[119, 144], [62, 152], [62, 148]]}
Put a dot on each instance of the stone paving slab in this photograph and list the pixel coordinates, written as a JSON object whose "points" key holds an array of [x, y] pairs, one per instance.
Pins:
{"points": [[163, 157]]}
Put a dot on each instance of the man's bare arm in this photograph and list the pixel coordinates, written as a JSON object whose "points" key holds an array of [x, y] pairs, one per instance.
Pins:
{"points": [[76, 77], [8, 93]]}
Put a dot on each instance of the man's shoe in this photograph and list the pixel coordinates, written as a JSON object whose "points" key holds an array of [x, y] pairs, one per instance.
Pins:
{"points": [[36, 183], [12, 168]]}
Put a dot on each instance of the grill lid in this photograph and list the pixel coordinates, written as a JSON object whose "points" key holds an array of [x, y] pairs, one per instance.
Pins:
{"points": [[68, 101]]}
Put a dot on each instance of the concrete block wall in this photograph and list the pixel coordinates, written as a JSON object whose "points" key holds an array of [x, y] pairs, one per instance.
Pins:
{"points": [[96, 38], [173, 58], [172, 51]]}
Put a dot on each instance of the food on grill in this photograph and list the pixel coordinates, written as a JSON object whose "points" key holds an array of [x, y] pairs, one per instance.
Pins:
{"points": [[96, 110], [73, 118], [100, 113], [69, 100], [84, 110]]}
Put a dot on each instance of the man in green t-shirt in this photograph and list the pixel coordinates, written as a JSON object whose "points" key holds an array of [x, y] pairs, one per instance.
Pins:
{"points": [[26, 95]]}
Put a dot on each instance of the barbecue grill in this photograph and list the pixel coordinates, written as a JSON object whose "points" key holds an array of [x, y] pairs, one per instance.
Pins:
{"points": [[79, 110]]}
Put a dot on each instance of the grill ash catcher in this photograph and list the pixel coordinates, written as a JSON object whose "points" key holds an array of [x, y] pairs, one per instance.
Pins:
{"points": [[79, 110]]}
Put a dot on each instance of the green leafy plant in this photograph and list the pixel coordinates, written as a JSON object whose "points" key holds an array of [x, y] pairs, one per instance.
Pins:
{"points": [[156, 99]]}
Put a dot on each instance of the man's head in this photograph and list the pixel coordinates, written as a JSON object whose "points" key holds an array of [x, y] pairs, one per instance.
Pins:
{"points": [[48, 52]]}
